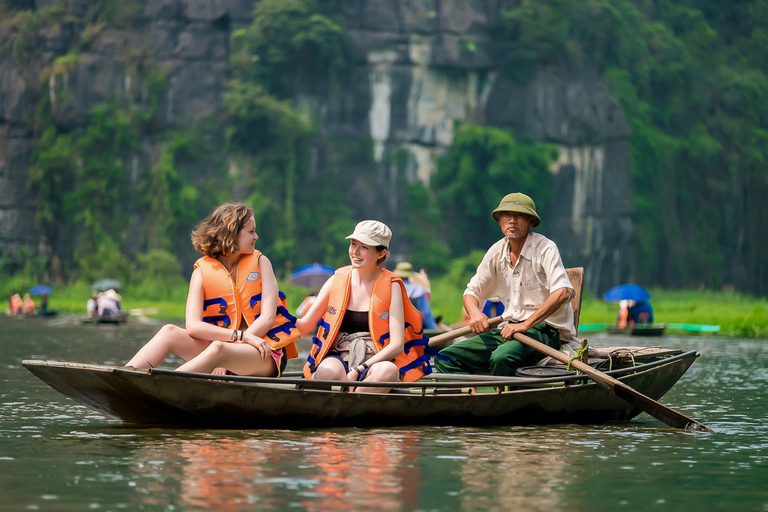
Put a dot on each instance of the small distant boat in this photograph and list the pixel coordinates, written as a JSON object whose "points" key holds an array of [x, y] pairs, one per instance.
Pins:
{"points": [[710, 328], [639, 329], [105, 319]]}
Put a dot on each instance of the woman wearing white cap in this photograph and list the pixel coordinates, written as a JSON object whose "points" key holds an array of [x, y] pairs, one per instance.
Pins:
{"points": [[366, 321]]}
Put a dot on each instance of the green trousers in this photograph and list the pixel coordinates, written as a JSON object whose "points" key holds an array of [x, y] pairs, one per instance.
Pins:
{"points": [[490, 352]]}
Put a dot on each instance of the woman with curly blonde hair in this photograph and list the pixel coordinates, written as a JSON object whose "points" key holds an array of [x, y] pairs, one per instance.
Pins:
{"points": [[235, 321]]}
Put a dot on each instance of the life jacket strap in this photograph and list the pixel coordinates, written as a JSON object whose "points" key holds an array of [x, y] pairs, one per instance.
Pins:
{"points": [[282, 310], [286, 327], [218, 300], [215, 319], [311, 360], [421, 363]]}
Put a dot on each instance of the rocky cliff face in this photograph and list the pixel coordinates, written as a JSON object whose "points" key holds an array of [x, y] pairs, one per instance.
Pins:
{"points": [[421, 66]]}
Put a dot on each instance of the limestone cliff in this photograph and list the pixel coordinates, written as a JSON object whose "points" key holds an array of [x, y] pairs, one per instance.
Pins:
{"points": [[421, 66]]}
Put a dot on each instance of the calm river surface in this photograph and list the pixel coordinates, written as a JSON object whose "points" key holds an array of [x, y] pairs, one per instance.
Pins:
{"points": [[56, 455]]}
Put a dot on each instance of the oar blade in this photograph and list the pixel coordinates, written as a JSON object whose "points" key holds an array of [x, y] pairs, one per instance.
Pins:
{"points": [[635, 398], [659, 411]]}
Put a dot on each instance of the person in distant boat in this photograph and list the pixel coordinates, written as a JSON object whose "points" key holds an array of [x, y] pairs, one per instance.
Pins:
{"points": [[368, 329], [108, 304], [632, 313], [641, 313], [42, 309], [417, 292], [525, 271], [306, 304], [16, 304], [92, 306], [236, 320], [29, 305]]}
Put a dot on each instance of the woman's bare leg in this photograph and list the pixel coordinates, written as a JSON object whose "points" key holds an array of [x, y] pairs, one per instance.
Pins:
{"points": [[331, 369], [384, 371], [239, 358], [170, 338]]}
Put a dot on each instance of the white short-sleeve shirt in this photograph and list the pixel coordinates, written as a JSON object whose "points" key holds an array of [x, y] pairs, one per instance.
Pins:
{"points": [[524, 286]]}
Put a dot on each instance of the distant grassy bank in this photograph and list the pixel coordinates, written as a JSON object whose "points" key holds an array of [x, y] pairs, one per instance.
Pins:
{"points": [[737, 315]]}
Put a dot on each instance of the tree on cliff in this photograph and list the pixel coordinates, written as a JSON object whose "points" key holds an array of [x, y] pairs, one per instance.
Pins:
{"points": [[691, 76]]}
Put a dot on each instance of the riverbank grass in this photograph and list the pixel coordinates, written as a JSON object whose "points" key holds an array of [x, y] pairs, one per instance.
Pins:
{"points": [[738, 315]]}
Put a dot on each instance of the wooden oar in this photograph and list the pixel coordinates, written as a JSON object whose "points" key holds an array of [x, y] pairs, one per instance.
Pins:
{"points": [[635, 398], [461, 331]]}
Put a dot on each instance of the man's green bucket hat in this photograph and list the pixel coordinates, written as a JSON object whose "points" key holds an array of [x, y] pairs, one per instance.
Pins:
{"points": [[520, 203]]}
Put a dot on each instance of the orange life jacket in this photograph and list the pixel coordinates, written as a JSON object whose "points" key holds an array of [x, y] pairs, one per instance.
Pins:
{"points": [[623, 314], [17, 305], [413, 362], [29, 306], [225, 301]]}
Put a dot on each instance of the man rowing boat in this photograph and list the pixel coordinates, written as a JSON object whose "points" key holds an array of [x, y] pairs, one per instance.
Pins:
{"points": [[525, 271]]}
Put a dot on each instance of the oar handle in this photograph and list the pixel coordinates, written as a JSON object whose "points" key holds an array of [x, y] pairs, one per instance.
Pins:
{"points": [[659, 411], [461, 331]]}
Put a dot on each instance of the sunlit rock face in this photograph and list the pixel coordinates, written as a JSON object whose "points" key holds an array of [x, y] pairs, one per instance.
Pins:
{"points": [[421, 68], [431, 65]]}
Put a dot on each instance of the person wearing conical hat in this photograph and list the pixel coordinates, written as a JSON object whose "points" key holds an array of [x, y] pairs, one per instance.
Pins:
{"points": [[525, 271], [417, 292]]}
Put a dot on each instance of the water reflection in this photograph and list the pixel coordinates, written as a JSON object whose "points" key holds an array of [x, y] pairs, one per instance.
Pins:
{"points": [[56, 455], [316, 472], [512, 470]]}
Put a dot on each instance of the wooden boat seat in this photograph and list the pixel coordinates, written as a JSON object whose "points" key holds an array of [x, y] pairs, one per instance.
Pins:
{"points": [[576, 276]]}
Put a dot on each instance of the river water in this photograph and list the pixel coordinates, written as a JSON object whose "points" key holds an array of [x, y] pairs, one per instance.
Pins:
{"points": [[56, 455]]}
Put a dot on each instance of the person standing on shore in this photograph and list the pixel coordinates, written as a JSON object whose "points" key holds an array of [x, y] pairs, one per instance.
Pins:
{"points": [[525, 271]]}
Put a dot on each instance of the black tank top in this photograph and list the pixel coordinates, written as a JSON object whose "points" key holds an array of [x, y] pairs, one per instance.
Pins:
{"points": [[354, 321]]}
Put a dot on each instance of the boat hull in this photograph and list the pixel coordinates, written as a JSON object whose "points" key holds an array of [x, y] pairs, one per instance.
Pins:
{"points": [[640, 330], [165, 397], [114, 319]]}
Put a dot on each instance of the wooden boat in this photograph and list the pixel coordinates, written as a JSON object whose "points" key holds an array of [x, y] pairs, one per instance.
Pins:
{"points": [[539, 395], [639, 330], [166, 397]]}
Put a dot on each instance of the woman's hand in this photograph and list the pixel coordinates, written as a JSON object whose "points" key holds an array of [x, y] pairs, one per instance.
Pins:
{"points": [[353, 374], [257, 343]]}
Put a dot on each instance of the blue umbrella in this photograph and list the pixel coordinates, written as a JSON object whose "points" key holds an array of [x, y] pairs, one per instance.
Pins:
{"points": [[312, 276], [40, 289], [633, 292]]}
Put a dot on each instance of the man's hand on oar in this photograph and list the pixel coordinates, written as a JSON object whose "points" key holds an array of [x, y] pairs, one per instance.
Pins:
{"points": [[461, 331]]}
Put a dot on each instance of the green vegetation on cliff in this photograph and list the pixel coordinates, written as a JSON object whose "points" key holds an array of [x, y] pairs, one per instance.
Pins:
{"points": [[691, 76]]}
